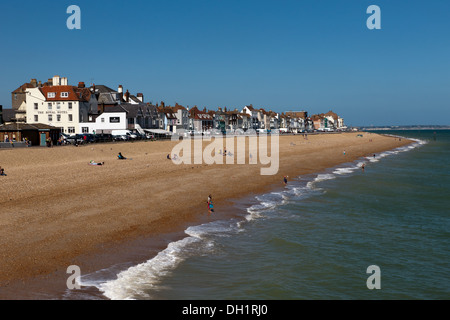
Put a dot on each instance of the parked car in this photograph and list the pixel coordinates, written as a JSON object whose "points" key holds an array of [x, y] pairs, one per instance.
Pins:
{"points": [[121, 137], [88, 137], [76, 139], [103, 137]]}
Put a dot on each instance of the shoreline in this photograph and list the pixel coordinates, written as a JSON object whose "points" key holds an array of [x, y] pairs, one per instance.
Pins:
{"points": [[137, 242]]}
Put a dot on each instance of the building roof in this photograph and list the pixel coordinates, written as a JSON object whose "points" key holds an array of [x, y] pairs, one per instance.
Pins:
{"points": [[297, 114], [17, 126], [132, 110], [316, 117], [102, 89], [8, 115], [332, 114], [74, 93], [23, 87], [170, 114], [196, 114]]}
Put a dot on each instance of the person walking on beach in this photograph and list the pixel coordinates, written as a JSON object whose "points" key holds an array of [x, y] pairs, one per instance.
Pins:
{"points": [[121, 157], [363, 167], [285, 180], [210, 207], [2, 172]]}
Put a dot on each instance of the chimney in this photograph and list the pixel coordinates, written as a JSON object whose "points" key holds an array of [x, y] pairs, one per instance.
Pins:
{"points": [[33, 82], [56, 81], [50, 82], [40, 84], [81, 85], [120, 93], [163, 104], [64, 81], [140, 97], [127, 96]]}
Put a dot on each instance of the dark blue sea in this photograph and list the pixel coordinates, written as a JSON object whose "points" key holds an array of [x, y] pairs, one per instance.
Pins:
{"points": [[316, 238]]}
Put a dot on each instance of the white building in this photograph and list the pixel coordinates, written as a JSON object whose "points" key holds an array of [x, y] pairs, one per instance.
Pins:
{"points": [[255, 117], [61, 105], [111, 119]]}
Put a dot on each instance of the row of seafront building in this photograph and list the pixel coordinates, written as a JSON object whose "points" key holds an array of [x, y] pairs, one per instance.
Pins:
{"points": [[100, 109]]}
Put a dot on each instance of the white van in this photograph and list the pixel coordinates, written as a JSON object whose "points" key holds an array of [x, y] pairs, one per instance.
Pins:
{"points": [[126, 133]]}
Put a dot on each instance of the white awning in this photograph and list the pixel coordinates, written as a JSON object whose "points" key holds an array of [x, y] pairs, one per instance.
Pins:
{"points": [[158, 131]]}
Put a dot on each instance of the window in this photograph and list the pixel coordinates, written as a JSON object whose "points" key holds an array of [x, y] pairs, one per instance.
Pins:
{"points": [[114, 120], [71, 129], [15, 96], [49, 106], [70, 105], [58, 118], [35, 106], [50, 118], [64, 94], [85, 129], [51, 95], [70, 117], [36, 118], [103, 119], [58, 105]]}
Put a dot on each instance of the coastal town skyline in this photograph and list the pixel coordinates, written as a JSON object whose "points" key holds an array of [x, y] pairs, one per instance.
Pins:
{"points": [[295, 56], [62, 110]]}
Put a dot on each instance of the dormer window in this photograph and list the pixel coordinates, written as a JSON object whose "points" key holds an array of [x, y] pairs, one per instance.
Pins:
{"points": [[51, 95], [64, 94]]}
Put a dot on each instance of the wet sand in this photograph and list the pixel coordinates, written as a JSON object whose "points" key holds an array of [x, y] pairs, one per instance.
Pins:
{"points": [[57, 210]]}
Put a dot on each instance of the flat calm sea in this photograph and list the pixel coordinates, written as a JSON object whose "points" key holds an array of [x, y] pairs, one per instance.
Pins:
{"points": [[316, 237]]}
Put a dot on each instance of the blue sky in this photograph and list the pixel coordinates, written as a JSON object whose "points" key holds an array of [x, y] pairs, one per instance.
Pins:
{"points": [[280, 55]]}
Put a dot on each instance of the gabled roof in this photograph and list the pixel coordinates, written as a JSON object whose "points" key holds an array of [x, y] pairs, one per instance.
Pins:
{"points": [[297, 114], [168, 112], [196, 114], [74, 93], [102, 89], [23, 87], [332, 114], [132, 110]]}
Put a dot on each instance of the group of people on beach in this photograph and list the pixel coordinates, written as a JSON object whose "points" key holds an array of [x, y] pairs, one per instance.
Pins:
{"points": [[119, 157], [175, 157]]}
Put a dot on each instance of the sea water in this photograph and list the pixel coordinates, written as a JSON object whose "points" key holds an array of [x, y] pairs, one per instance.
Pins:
{"points": [[316, 237]]}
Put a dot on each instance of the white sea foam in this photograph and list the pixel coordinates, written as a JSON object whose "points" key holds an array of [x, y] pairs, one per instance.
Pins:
{"points": [[342, 171], [324, 176], [135, 282]]}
